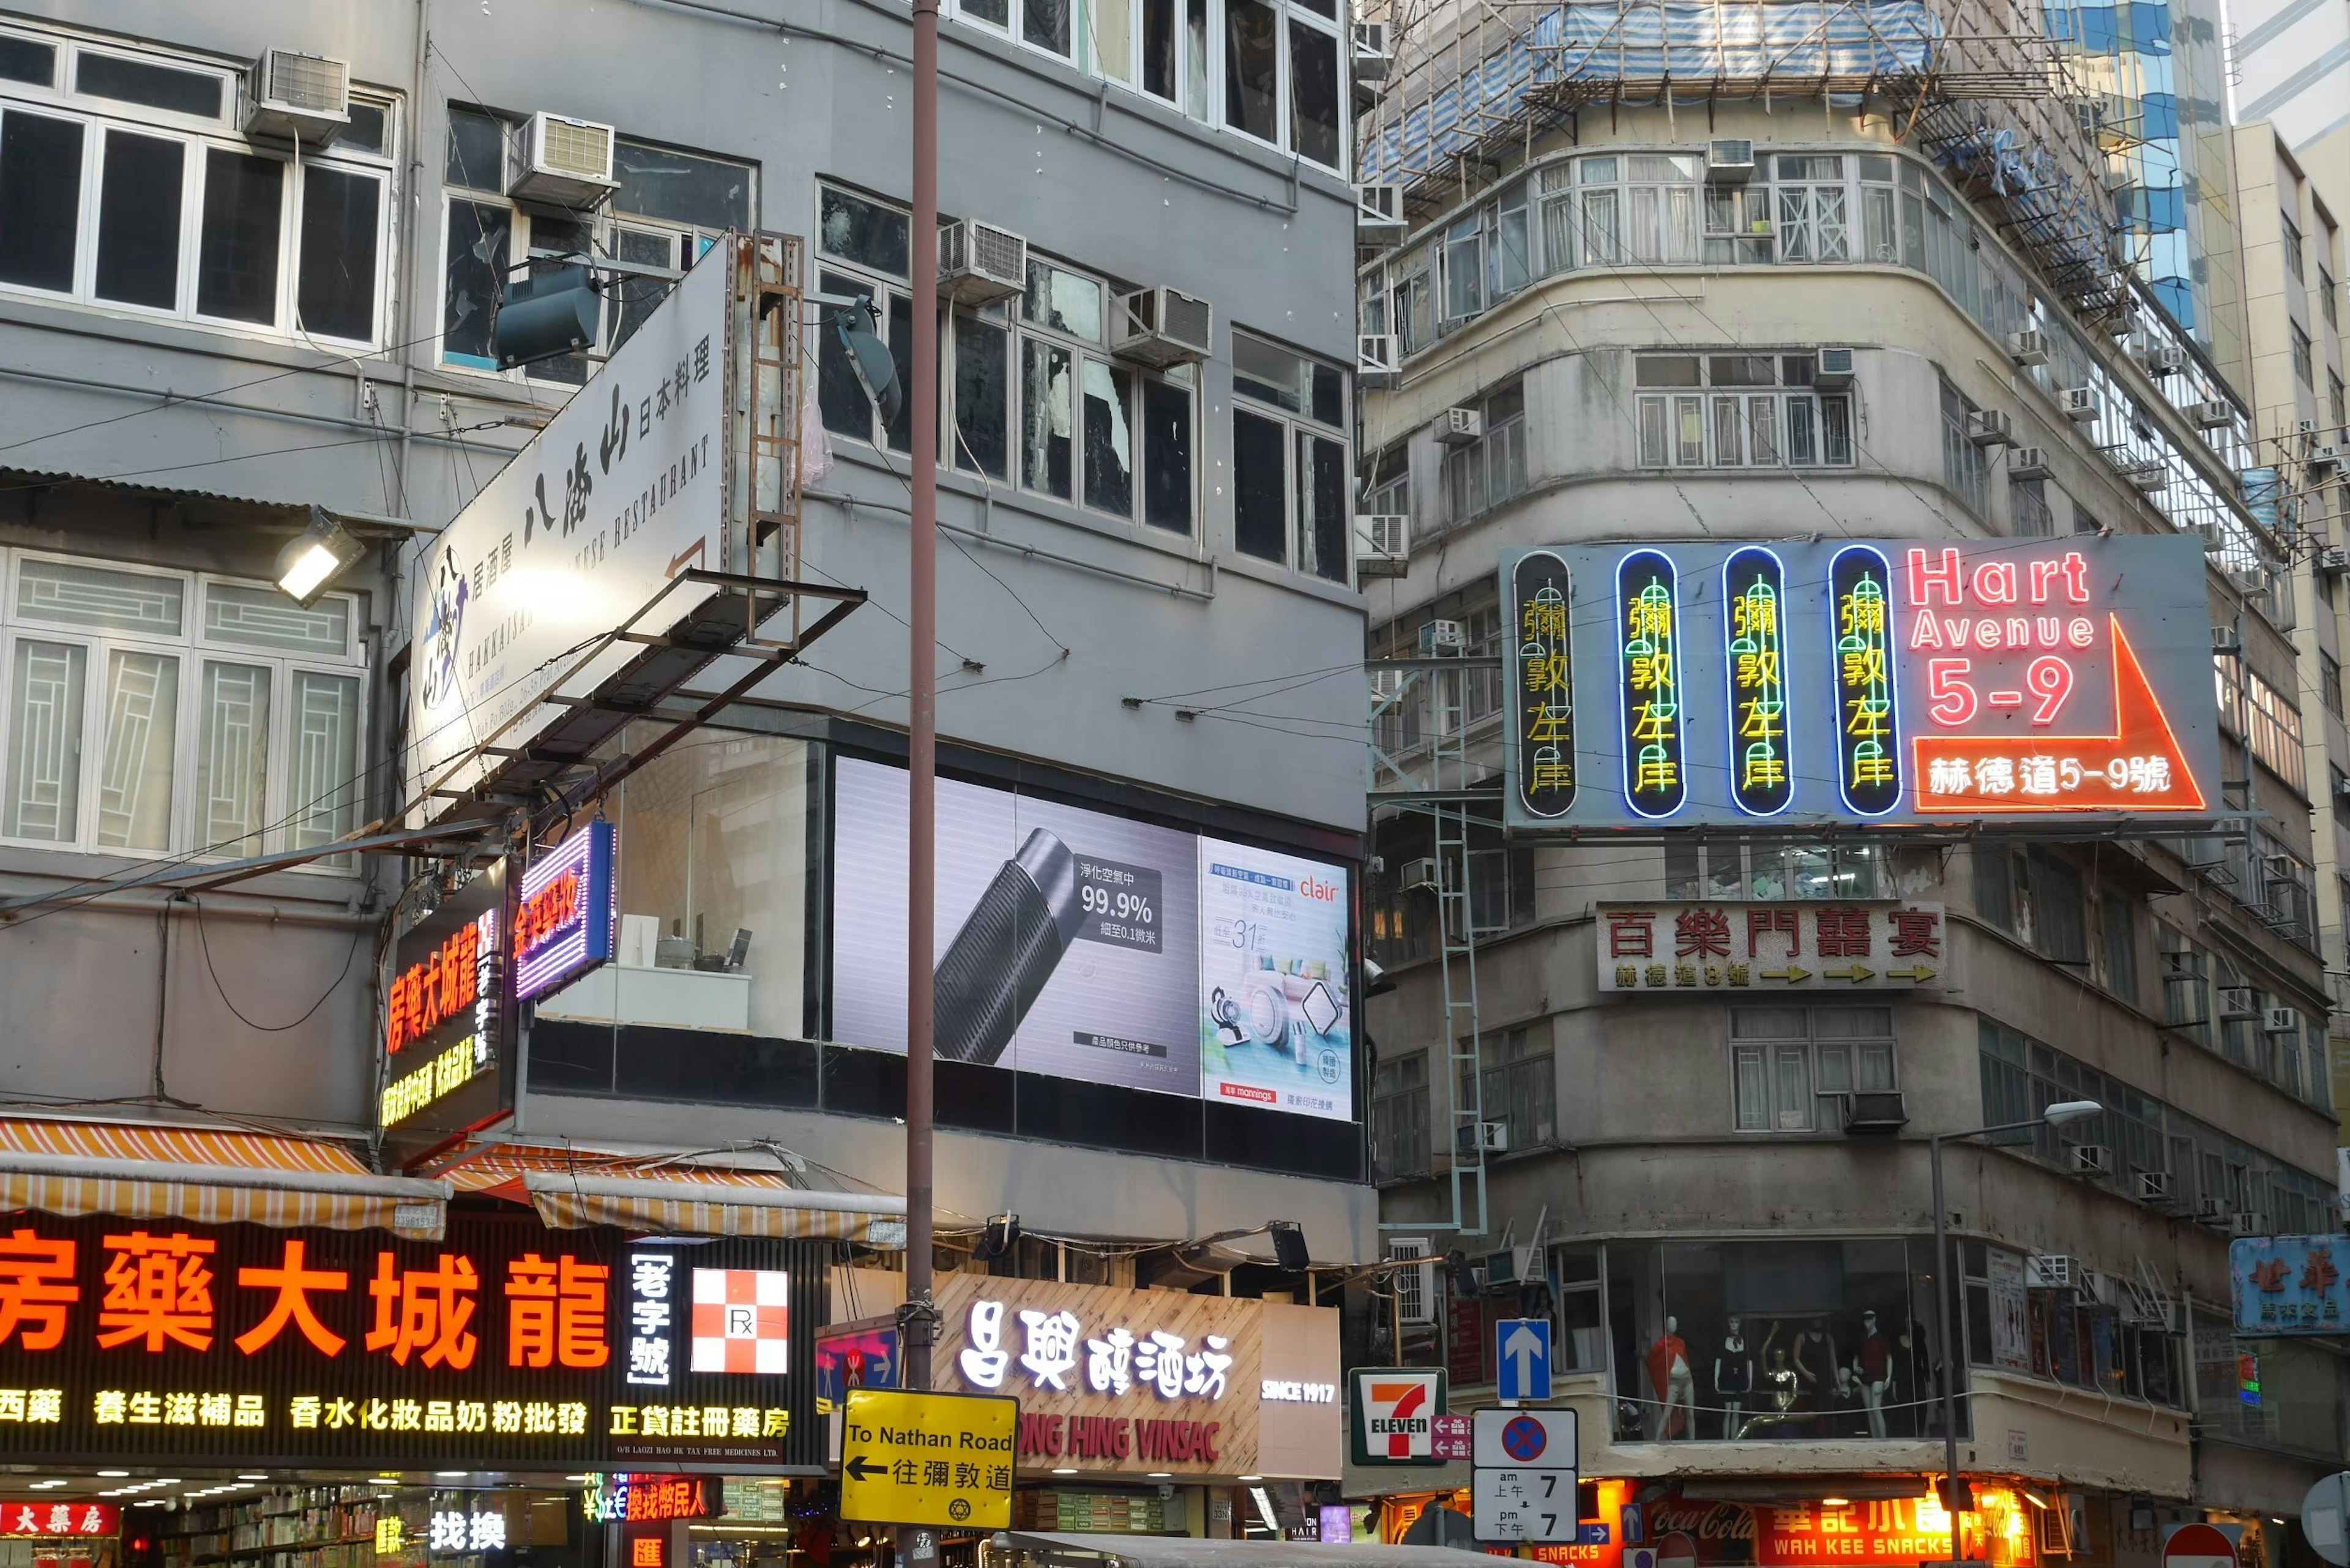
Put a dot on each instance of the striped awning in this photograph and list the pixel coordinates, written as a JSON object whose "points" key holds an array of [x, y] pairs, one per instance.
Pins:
{"points": [[662, 1196], [211, 1176]]}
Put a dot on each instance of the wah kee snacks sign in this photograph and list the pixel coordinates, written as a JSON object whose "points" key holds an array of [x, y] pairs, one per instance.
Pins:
{"points": [[1141, 1381], [506, 1342], [1877, 1531]]}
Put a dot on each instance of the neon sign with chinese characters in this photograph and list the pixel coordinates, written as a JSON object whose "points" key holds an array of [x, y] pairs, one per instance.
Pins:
{"points": [[164, 1337], [447, 1021], [1867, 681], [1761, 767], [1648, 661], [569, 911], [58, 1518]]}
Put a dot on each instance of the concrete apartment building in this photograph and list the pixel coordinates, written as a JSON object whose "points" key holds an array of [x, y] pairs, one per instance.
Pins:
{"points": [[205, 334], [1749, 315]]}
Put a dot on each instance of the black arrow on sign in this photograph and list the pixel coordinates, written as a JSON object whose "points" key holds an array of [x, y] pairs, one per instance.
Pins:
{"points": [[862, 1468]]}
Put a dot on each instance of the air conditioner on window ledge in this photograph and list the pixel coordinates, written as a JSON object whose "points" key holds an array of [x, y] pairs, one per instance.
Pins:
{"points": [[1161, 326], [566, 164], [1874, 1113], [304, 98], [980, 263]]}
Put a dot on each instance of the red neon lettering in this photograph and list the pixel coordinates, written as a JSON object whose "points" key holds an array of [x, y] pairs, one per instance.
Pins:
{"points": [[2076, 577], [1924, 578], [2082, 632], [2051, 679], [1995, 582], [1946, 682]]}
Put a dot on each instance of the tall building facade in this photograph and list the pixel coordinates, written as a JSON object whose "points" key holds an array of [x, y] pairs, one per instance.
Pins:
{"points": [[1626, 315], [220, 325]]}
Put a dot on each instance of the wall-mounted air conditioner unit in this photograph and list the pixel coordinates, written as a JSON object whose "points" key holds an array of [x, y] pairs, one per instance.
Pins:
{"points": [[2225, 639], [2216, 413], [2239, 1001], [2281, 1021], [1990, 427], [1415, 1287], [2149, 477], [1378, 362], [2080, 403], [306, 97], [1509, 1267], [1382, 545], [980, 263], [2210, 1210], [1459, 427], [1441, 637], [1161, 326], [1874, 1113], [1373, 52], [1378, 210], [1832, 371], [2027, 463], [564, 163], [2091, 1159], [2053, 1272], [2326, 459], [2154, 1186], [2166, 359], [2251, 1222], [1419, 873], [1729, 161], [2028, 348], [2333, 561]]}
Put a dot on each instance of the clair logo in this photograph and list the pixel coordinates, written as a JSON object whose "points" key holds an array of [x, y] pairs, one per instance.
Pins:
{"points": [[1315, 888]]}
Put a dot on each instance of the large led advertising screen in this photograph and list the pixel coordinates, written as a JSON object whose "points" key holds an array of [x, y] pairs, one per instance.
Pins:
{"points": [[1077, 944], [2066, 682]]}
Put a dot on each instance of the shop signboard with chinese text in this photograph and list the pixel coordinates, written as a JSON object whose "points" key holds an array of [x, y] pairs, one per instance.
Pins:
{"points": [[622, 489], [1137, 1382], [504, 1344], [567, 912], [1802, 946], [2289, 1284], [1877, 1531], [48, 1517], [914, 1457], [448, 1030], [2057, 681]]}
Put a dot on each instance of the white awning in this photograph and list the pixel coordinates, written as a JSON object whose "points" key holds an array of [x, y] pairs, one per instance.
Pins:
{"points": [[693, 1202]]}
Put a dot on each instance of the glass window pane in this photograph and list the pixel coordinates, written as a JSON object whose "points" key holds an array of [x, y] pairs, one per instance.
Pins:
{"points": [[1330, 393], [662, 182], [1063, 300], [1046, 429], [1753, 1090], [22, 60], [45, 705], [232, 759], [479, 236], [980, 392], [1314, 97], [40, 200], [142, 731], [1762, 430], [1159, 49], [1835, 418], [1803, 446], [1252, 69], [158, 86], [477, 151], [840, 398], [1260, 519], [995, 13], [569, 237], [1728, 447], [1046, 24], [1109, 440], [867, 233], [902, 355], [71, 594], [1666, 370], [236, 259], [639, 298], [1107, 28], [1836, 1069], [1195, 58], [1791, 1081], [369, 130], [1653, 427], [1322, 489], [1689, 415], [263, 617], [1269, 374], [334, 294], [139, 221], [325, 785], [1167, 455], [1602, 244]]}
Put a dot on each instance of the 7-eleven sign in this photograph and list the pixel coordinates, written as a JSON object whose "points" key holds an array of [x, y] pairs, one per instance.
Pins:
{"points": [[1394, 1413]]}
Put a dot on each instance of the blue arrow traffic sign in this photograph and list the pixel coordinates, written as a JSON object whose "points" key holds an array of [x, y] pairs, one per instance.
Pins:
{"points": [[1521, 1362]]}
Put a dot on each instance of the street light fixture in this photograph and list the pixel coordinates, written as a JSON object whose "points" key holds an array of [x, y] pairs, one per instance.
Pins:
{"points": [[2055, 1116], [316, 556]]}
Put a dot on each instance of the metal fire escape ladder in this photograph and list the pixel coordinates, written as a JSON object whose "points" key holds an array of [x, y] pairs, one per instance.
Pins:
{"points": [[1441, 787]]}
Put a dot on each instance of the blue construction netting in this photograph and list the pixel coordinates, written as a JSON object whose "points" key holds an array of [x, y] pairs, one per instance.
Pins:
{"points": [[1694, 45], [2031, 181]]}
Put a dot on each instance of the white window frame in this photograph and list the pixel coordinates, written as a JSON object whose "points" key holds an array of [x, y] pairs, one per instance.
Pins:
{"points": [[1295, 425], [1284, 112], [1767, 1054], [198, 136], [1668, 405], [193, 649], [604, 228]]}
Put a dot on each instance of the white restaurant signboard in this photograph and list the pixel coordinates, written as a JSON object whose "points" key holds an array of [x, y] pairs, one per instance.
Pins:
{"points": [[622, 490]]}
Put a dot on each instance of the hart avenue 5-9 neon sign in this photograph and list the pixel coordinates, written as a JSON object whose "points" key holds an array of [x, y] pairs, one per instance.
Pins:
{"points": [[1880, 682]]}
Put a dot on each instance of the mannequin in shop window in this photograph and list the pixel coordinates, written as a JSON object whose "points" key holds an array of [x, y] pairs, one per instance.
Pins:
{"points": [[1816, 1373], [1675, 1384], [1872, 1369], [1733, 1377], [1779, 1386]]}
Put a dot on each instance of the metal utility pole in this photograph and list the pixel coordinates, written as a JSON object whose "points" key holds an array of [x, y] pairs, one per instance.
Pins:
{"points": [[921, 701]]}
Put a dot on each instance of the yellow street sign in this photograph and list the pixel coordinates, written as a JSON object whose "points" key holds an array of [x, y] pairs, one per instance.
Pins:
{"points": [[942, 1459]]}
